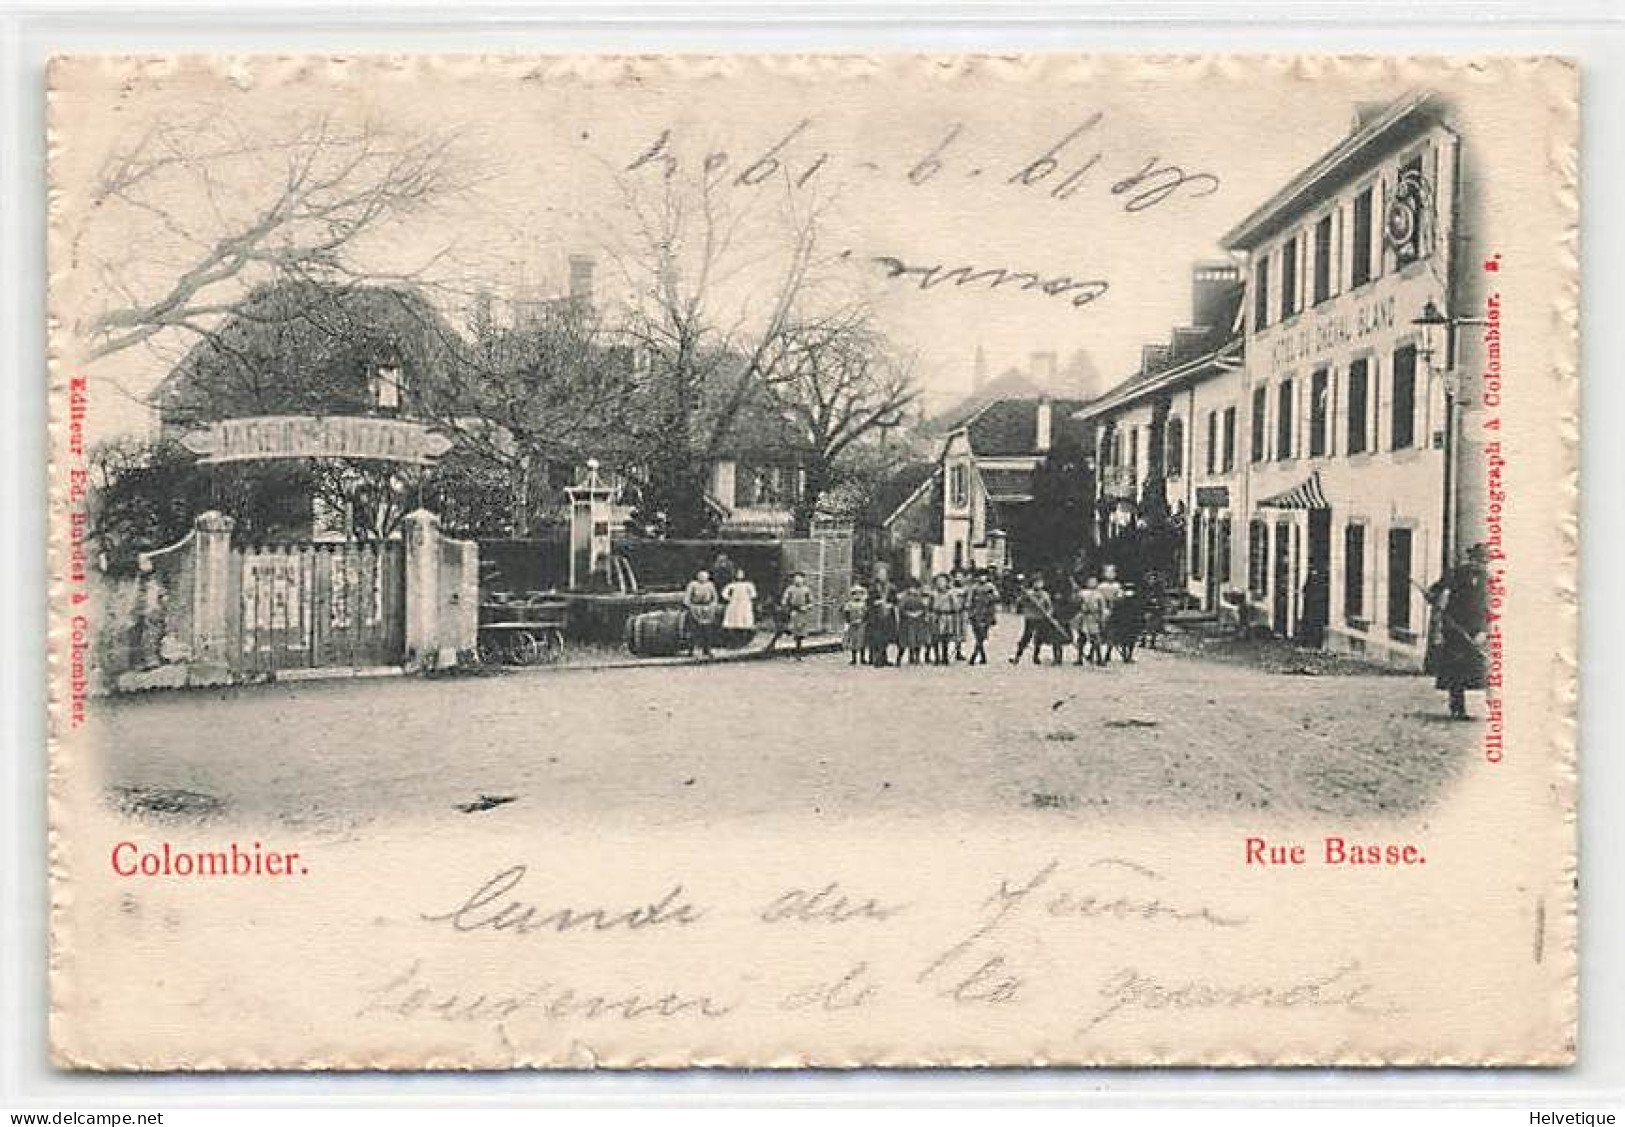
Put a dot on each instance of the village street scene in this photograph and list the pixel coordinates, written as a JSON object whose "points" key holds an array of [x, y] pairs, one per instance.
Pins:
{"points": [[688, 496]]}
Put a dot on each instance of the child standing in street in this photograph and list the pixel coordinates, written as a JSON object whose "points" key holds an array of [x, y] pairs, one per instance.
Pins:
{"points": [[798, 608], [944, 619], [961, 588], [982, 612], [853, 613], [1091, 622], [1064, 610], [1036, 609], [913, 622]]}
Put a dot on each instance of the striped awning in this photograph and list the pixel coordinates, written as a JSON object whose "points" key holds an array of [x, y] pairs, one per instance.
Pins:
{"points": [[1304, 495]]}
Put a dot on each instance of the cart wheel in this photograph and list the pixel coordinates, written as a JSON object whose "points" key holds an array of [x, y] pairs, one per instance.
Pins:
{"points": [[552, 646], [524, 648], [491, 651]]}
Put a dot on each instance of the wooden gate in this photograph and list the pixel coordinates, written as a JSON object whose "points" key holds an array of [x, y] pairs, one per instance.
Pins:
{"points": [[826, 559], [301, 606]]}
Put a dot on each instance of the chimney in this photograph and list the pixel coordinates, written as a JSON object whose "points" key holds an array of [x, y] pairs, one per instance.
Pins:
{"points": [[1045, 425], [581, 270], [1215, 292], [1043, 366]]}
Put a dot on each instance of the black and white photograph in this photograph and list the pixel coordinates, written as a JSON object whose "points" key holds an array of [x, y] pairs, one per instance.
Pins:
{"points": [[770, 561]]}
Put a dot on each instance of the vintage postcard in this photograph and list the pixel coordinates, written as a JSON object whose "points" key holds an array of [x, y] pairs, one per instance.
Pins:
{"points": [[615, 562]]}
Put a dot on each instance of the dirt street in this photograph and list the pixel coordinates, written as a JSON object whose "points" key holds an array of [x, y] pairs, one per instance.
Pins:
{"points": [[761, 739]]}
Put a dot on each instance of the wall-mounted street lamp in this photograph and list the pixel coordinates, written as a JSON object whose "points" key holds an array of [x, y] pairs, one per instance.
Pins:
{"points": [[1439, 335]]}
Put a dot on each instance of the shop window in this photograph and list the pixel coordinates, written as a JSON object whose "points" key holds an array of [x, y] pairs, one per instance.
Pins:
{"points": [[1260, 408], [1221, 563], [1212, 441], [1360, 264], [1354, 572], [1261, 293], [1229, 461], [1323, 259], [1196, 544], [1173, 456], [1359, 391], [1258, 558], [1399, 579], [1289, 277], [1319, 400], [1283, 420], [1403, 426]]}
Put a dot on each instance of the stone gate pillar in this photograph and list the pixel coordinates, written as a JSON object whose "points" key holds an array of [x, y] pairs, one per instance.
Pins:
{"points": [[422, 535], [211, 589]]}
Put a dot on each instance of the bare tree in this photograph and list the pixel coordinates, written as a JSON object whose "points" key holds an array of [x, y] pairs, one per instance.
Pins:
{"points": [[218, 207], [838, 384], [720, 279]]}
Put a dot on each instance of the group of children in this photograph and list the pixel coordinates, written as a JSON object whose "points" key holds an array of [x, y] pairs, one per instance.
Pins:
{"points": [[1098, 615], [921, 623], [917, 622]]}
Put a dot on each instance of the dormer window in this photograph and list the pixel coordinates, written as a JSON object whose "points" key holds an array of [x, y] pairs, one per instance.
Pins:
{"points": [[388, 389]]}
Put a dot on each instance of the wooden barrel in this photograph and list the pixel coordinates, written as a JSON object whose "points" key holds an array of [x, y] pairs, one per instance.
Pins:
{"points": [[657, 633]]}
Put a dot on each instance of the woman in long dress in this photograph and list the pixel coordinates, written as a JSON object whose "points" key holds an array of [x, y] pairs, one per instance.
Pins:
{"points": [[700, 603], [740, 597]]}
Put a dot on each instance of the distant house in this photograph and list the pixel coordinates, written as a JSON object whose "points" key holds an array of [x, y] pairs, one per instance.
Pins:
{"points": [[982, 479]]}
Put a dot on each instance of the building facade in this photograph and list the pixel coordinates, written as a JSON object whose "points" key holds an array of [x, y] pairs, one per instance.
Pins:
{"points": [[1314, 463], [1351, 427], [1165, 439]]}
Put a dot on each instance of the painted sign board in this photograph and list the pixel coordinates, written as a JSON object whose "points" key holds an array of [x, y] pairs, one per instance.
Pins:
{"points": [[316, 436]]}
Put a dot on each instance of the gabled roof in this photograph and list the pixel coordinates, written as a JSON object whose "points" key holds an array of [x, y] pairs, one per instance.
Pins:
{"points": [[897, 491], [1009, 427], [1073, 381]]}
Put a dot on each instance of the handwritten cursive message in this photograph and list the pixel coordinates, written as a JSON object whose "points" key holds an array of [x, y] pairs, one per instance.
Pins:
{"points": [[1004, 955]]}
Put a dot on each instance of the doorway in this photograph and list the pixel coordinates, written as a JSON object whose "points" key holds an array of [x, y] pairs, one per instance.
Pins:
{"points": [[1282, 601], [1317, 586]]}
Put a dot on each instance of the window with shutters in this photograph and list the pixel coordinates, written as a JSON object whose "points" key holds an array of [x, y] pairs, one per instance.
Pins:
{"points": [[1212, 441], [1173, 453], [1360, 262], [1359, 413], [1229, 459], [1260, 409], [1289, 277], [1261, 293], [1403, 425], [1323, 259], [1319, 402], [1354, 573], [1283, 421], [1399, 579]]}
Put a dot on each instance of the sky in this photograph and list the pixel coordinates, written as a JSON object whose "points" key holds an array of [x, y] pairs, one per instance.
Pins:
{"points": [[1108, 178]]}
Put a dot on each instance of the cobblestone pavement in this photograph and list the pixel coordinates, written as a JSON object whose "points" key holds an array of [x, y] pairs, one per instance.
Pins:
{"points": [[764, 739]]}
